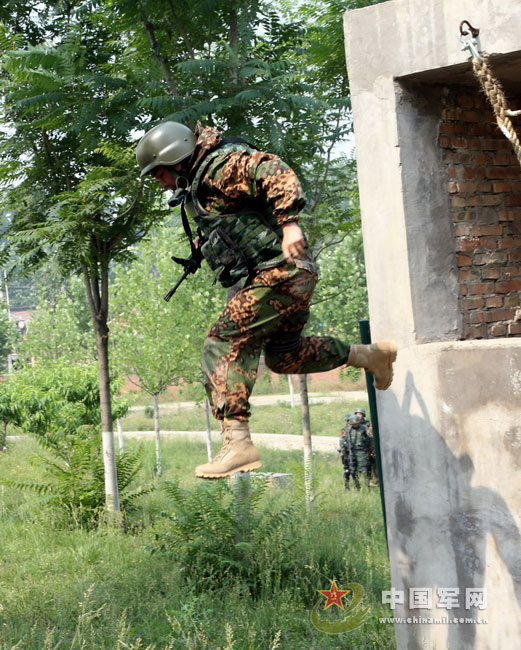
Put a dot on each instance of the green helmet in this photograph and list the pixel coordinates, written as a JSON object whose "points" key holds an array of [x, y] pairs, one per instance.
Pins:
{"points": [[354, 420], [166, 144], [348, 416], [360, 410]]}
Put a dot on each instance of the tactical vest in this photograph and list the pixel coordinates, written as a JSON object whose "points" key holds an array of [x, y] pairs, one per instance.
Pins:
{"points": [[235, 245]]}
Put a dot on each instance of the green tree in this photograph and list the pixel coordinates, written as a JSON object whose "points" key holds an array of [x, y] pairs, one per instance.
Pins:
{"points": [[69, 168], [161, 342], [8, 336], [57, 330]]}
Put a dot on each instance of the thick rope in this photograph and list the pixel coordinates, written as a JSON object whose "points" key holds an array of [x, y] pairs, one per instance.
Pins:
{"points": [[496, 96]]}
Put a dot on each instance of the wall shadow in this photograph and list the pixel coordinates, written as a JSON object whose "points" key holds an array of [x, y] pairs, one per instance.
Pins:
{"points": [[440, 522]]}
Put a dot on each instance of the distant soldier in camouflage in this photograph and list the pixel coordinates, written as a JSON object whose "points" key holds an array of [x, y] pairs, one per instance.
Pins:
{"points": [[245, 204], [359, 443], [347, 454]]}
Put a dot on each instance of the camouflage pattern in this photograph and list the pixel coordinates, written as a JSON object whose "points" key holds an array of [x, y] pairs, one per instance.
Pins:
{"points": [[356, 448], [271, 310], [273, 307], [347, 454], [246, 174]]}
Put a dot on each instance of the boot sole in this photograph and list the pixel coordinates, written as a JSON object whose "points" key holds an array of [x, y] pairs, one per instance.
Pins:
{"points": [[244, 468], [390, 347]]}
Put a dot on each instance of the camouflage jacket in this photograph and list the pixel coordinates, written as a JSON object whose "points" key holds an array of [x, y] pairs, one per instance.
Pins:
{"points": [[236, 178]]}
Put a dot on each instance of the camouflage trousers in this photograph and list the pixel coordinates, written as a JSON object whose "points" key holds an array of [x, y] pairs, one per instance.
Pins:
{"points": [[271, 311]]}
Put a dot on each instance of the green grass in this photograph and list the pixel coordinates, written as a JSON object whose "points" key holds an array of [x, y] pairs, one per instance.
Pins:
{"points": [[326, 419], [63, 587]]}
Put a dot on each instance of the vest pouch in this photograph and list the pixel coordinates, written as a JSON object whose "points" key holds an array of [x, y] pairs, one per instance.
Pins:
{"points": [[224, 256]]}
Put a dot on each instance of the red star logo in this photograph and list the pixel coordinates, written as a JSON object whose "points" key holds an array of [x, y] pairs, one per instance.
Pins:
{"points": [[334, 595]]}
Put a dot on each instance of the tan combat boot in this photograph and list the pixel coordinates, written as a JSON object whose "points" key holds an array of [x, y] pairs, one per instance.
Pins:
{"points": [[236, 455], [377, 358]]}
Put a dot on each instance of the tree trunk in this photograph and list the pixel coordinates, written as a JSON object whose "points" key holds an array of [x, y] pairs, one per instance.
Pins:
{"points": [[291, 392], [159, 466], [109, 455], [3, 445], [97, 296], [306, 433], [120, 437], [208, 429]]}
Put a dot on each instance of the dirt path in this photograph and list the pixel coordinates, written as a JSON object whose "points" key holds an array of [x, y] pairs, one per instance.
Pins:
{"points": [[324, 444], [267, 400]]}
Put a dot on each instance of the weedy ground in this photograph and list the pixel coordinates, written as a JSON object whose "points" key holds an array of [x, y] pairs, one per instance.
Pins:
{"points": [[65, 587]]}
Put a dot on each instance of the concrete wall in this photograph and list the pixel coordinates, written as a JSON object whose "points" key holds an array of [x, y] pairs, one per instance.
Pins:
{"points": [[450, 425]]}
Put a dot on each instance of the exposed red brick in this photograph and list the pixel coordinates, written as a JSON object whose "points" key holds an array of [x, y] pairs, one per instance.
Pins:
{"points": [[474, 303], [471, 116], [475, 317], [470, 172], [514, 256], [482, 288], [464, 260], [511, 272], [498, 330], [491, 274], [512, 301], [502, 159], [464, 245], [488, 243], [483, 158], [475, 332], [496, 315], [466, 101], [501, 186], [507, 287], [509, 242], [458, 202], [484, 231], [469, 275], [513, 201], [502, 173], [494, 301], [514, 328], [485, 199]]}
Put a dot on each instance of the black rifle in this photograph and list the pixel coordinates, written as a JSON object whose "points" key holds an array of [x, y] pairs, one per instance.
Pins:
{"points": [[191, 265]]}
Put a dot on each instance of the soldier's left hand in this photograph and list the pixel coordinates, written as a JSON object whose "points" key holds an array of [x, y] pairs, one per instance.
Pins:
{"points": [[293, 242]]}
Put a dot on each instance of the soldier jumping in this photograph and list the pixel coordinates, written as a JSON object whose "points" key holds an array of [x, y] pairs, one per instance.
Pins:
{"points": [[245, 204]]}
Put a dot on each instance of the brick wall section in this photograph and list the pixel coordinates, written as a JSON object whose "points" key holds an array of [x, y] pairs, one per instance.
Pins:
{"points": [[484, 183]]}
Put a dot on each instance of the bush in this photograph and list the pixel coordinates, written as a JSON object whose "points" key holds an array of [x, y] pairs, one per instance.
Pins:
{"points": [[221, 534], [77, 485], [59, 407]]}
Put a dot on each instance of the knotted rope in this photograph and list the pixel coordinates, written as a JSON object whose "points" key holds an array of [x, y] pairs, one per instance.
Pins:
{"points": [[492, 87]]}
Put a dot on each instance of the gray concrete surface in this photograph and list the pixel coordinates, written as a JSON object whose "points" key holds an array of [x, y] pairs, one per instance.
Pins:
{"points": [[451, 422]]}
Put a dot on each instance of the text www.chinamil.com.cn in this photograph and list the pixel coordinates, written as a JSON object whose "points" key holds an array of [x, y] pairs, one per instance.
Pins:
{"points": [[443, 620]]}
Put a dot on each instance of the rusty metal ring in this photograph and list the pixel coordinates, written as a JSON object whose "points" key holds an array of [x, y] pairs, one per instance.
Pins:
{"points": [[473, 30]]}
